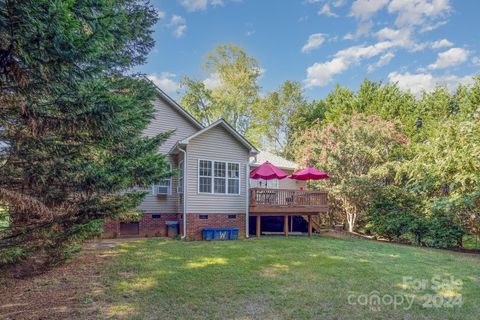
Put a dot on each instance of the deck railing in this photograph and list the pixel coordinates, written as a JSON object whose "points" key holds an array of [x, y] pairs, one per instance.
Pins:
{"points": [[287, 198]]}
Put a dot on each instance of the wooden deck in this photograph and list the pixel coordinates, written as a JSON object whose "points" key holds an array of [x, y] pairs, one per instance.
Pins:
{"points": [[286, 202]]}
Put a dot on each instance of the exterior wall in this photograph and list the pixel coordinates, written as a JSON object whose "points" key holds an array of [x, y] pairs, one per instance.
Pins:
{"points": [[167, 118], [287, 183], [215, 144], [147, 226], [195, 225], [291, 183]]}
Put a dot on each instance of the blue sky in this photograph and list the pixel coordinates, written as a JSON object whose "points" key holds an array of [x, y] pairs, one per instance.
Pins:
{"points": [[417, 43]]}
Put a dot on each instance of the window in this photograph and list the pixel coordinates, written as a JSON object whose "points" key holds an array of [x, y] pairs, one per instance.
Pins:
{"points": [[203, 217], [205, 176], [232, 216], [233, 178], [218, 177], [220, 174], [156, 217], [164, 186]]}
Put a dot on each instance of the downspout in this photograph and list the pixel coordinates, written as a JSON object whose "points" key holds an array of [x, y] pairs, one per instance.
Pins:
{"points": [[184, 204], [247, 198]]}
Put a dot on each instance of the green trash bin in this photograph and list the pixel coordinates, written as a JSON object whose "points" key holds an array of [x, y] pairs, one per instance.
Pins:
{"points": [[172, 229]]}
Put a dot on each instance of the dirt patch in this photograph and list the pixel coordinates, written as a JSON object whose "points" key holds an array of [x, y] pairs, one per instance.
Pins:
{"points": [[65, 292]]}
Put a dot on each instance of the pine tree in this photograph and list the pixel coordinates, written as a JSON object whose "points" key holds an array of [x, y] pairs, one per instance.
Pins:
{"points": [[71, 122]]}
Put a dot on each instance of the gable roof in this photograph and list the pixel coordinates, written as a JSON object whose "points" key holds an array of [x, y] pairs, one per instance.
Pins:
{"points": [[172, 103], [229, 128], [277, 161]]}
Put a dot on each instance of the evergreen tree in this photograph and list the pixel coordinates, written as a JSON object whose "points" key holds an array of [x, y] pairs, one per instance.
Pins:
{"points": [[71, 122]]}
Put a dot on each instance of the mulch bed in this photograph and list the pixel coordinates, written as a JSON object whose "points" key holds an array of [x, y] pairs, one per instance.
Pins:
{"points": [[64, 292]]}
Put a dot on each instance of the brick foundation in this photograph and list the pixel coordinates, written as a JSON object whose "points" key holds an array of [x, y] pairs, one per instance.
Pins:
{"points": [[195, 225], [148, 227]]}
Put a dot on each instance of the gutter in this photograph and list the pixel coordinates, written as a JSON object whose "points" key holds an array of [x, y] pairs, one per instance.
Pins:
{"points": [[184, 204], [247, 198]]}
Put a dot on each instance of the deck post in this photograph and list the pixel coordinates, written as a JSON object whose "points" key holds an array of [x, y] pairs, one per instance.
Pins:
{"points": [[309, 226], [258, 226], [285, 225]]}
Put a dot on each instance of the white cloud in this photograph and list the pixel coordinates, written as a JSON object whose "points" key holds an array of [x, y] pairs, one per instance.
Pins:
{"points": [[320, 74], [382, 62], [194, 5], [339, 3], [441, 44], [365, 9], [476, 61], [165, 81], [363, 28], [449, 58], [179, 25], [314, 41], [417, 83], [160, 14], [430, 27], [201, 5], [418, 12], [213, 81], [326, 11], [401, 38]]}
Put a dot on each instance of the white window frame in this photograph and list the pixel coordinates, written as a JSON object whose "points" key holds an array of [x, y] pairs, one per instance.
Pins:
{"points": [[213, 177], [155, 186], [237, 178]]}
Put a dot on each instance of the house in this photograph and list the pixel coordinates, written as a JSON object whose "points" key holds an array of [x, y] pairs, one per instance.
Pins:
{"points": [[212, 188]]}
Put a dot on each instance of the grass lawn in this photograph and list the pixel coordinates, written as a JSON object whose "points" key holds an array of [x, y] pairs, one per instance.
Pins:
{"points": [[278, 278]]}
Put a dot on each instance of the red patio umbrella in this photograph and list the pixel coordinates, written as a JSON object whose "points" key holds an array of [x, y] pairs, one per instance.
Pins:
{"points": [[267, 171], [309, 173]]}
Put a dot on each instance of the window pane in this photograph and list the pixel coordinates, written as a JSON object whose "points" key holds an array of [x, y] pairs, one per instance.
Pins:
{"points": [[233, 170], [205, 168], [234, 186], [164, 183], [220, 169], [219, 185], [205, 185]]}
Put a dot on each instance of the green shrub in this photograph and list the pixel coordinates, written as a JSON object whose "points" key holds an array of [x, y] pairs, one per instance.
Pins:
{"points": [[393, 214], [443, 232]]}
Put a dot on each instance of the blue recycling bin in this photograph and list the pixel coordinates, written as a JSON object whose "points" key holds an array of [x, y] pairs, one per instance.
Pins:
{"points": [[220, 234]]}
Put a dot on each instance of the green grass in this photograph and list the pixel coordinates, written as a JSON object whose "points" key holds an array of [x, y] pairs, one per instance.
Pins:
{"points": [[277, 278]]}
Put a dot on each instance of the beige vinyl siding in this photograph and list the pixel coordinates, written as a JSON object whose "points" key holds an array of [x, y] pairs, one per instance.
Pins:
{"points": [[287, 183], [291, 184], [216, 144], [167, 118]]}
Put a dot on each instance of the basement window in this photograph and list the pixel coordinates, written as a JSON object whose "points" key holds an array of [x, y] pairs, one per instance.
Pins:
{"points": [[203, 217], [156, 217], [232, 216]]}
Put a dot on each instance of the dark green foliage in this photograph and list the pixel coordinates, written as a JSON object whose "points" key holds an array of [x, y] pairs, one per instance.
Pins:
{"points": [[444, 231], [440, 166], [71, 121], [394, 213]]}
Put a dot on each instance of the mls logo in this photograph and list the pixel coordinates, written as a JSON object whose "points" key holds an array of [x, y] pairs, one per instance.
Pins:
{"points": [[223, 235]]}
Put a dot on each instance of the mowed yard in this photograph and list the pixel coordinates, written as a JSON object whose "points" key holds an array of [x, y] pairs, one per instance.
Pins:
{"points": [[278, 278]]}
